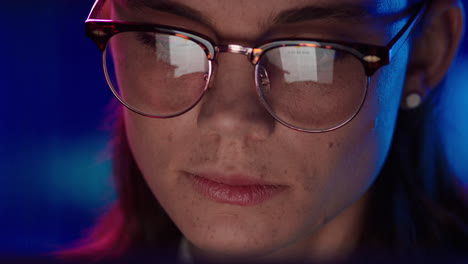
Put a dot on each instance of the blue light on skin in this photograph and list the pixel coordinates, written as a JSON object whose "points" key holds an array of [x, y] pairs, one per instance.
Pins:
{"points": [[389, 7]]}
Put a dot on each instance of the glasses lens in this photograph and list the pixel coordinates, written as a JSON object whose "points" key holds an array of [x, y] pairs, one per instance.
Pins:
{"points": [[156, 74], [311, 88]]}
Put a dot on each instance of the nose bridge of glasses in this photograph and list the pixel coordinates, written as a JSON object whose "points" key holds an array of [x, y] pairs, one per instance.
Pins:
{"points": [[235, 49]]}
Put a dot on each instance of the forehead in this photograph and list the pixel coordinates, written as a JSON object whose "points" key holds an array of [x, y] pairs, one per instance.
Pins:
{"points": [[259, 8], [243, 18]]}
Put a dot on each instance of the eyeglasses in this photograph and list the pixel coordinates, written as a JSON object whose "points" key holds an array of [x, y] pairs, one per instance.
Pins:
{"points": [[308, 85]]}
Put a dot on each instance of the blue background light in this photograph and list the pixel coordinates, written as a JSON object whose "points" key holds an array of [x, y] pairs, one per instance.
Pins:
{"points": [[54, 154]]}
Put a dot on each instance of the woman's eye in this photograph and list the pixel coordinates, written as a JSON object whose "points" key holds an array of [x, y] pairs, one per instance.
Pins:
{"points": [[154, 40], [146, 38], [331, 56], [158, 44], [325, 56]]}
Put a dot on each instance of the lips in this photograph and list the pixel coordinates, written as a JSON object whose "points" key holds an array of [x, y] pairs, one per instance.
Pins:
{"points": [[234, 189]]}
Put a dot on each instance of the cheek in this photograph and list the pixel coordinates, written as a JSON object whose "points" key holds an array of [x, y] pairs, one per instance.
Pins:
{"points": [[146, 142], [351, 158], [151, 142]]}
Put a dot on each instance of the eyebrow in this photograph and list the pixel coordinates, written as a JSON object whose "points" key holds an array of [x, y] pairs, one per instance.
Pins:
{"points": [[308, 13], [296, 15], [167, 6]]}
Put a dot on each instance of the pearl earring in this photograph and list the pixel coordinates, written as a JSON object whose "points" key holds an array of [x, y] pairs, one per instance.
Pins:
{"points": [[413, 100]]}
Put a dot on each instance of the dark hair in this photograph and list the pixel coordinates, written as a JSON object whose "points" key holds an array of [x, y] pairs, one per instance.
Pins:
{"points": [[416, 204], [136, 221]]}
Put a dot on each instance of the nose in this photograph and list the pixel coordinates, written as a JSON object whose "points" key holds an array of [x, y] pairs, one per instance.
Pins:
{"points": [[231, 107]]}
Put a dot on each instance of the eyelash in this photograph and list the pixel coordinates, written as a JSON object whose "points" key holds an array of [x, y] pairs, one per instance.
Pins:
{"points": [[150, 40], [145, 39]]}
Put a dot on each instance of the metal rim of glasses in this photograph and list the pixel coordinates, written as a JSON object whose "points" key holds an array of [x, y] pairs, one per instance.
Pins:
{"points": [[122, 101], [278, 119]]}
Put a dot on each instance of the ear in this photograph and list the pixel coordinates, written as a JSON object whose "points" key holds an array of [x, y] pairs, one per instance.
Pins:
{"points": [[433, 49]]}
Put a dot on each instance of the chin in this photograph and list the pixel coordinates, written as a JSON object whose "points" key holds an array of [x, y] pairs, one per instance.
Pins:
{"points": [[231, 244], [225, 249]]}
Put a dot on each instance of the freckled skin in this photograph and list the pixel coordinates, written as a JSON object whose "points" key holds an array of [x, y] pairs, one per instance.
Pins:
{"points": [[326, 174]]}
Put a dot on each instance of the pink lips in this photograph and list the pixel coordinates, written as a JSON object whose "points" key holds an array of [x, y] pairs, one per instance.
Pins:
{"points": [[236, 190]]}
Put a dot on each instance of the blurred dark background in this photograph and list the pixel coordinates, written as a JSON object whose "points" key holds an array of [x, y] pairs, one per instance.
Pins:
{"points": [[54, 157]]}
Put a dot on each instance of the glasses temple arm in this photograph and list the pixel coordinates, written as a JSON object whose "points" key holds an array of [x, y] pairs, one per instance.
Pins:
{"points": [[397, 42], [97, 6]]}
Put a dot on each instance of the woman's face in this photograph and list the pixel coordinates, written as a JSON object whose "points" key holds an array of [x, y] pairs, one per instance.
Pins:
{"points": [[236, 182]]}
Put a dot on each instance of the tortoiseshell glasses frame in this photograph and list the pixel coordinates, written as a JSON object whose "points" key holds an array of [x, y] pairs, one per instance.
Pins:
{"points": [[372, 57]]}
